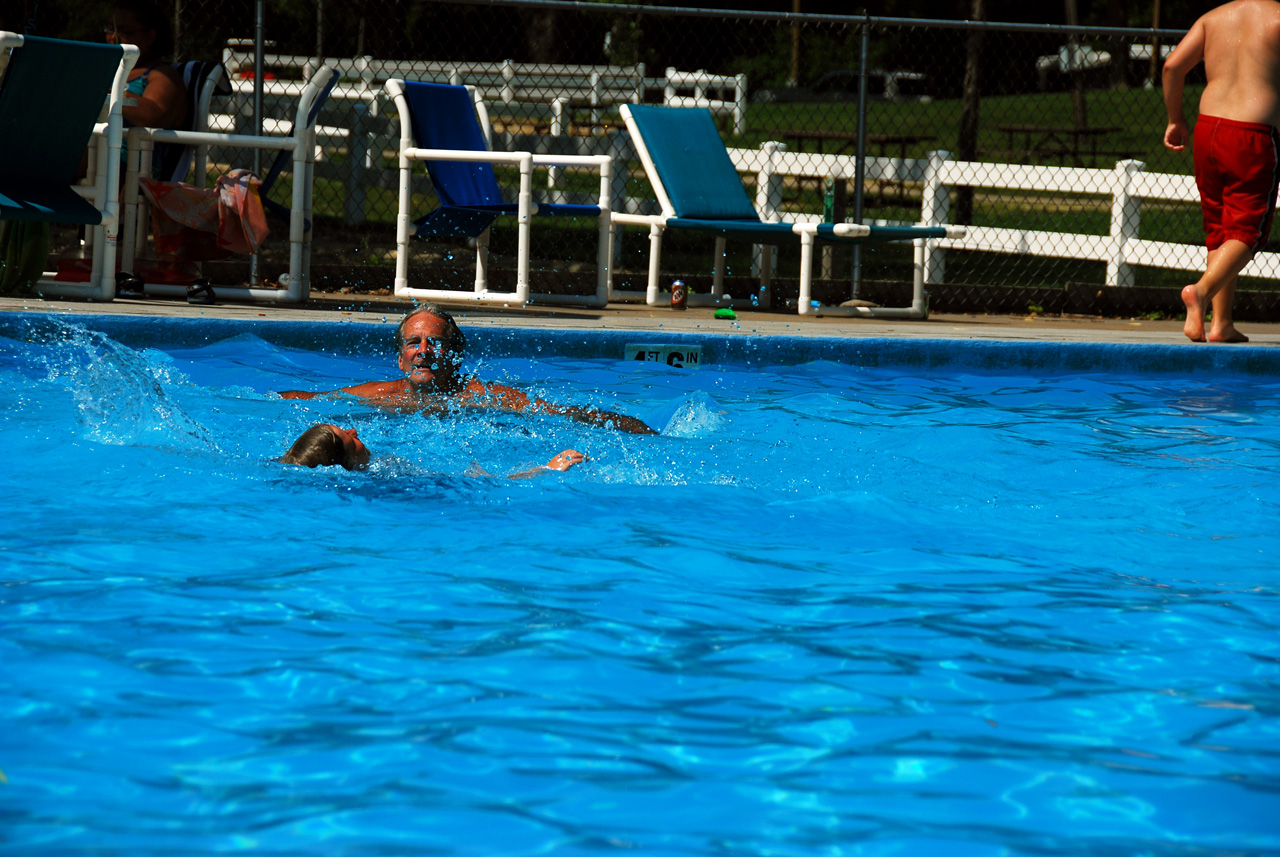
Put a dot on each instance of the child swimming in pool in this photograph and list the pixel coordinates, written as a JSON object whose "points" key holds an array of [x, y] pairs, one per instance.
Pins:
{"points": [[325, 445]]}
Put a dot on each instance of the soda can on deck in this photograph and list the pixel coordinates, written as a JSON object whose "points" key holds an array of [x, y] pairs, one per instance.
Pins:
{"points": [[679, 295]]}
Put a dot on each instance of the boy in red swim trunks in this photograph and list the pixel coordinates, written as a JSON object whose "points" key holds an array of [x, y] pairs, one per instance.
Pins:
{"points": [[1236, 145]]}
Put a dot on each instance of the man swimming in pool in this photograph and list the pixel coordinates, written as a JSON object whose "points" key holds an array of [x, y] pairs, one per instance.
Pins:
{"points": [[326, 445], [430, 351], [1236, 147]]}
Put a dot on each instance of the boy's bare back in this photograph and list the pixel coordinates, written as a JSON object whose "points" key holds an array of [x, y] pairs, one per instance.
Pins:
{"points": [[1240, 43]]}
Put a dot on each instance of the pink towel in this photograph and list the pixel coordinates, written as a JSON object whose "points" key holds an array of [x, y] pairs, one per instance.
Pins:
{"points": [[192, 224]]}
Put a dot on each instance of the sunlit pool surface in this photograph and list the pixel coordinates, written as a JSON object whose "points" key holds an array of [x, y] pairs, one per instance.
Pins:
{"points": [[835, 608]]}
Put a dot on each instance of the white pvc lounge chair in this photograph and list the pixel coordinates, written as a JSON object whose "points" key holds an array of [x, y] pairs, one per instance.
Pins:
{"points": [[297, 150], [699, 189], [42, 140], [444, 126]]}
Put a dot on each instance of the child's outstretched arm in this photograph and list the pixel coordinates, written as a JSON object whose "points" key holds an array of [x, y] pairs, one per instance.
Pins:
{"points": [[562, 461]]}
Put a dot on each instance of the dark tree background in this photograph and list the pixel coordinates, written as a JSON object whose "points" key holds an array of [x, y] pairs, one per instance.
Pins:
{"points": [[418, 29]]}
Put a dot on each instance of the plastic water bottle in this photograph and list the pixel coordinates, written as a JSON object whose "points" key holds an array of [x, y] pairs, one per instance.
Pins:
{"points": [[679, 295]]}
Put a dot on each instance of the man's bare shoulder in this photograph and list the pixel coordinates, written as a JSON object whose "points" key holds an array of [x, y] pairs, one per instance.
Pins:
{"points": [[491, 394]]}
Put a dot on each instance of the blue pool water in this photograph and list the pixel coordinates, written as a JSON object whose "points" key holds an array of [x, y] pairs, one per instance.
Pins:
{"points": [[869, 599]]}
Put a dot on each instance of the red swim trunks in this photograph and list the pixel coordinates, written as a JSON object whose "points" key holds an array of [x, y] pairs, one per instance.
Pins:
{"points": [[1237, 170]]}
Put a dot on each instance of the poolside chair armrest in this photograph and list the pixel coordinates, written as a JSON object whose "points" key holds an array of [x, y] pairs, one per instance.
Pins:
{"points": [[414, 154], [841, 230], [215, 138], [597, 161], [638, 219]]}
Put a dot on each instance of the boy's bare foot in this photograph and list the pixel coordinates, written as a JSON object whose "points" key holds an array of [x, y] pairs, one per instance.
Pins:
{"points": [[1194, 327], [1227, 334]]}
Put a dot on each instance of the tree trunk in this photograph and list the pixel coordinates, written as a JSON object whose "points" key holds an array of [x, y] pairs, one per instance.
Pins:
{"points": [[1075, 64], [970, 109], [540, 35], [1118, 16]]}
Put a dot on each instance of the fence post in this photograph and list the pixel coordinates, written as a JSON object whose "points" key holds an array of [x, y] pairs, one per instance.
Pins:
{"points": [[768, 203], [357, 153], [935, 206], [622, 152], [740, 104], [508, 75], [1126, 217], [596, 98]]}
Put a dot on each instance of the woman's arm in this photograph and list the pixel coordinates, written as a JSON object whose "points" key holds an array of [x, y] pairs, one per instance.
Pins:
{"points": [[162, 105]]}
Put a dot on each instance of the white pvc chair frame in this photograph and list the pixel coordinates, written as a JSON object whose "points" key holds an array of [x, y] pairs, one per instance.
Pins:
{"points": [[807, 231], [138, 222], [526, 161], [100, 190], [297, 283]]}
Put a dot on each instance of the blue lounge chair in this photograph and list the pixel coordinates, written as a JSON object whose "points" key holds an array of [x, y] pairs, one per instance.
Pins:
{"points": [[699, 189], [296, 151], [442, 125], [42, 140]]}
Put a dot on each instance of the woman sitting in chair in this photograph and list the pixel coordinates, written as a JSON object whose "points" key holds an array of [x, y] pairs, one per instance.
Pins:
{"points": [[155, 96]]}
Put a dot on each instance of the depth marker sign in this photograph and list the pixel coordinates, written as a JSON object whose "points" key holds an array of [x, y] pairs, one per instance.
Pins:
{"points": [[680, 356]]}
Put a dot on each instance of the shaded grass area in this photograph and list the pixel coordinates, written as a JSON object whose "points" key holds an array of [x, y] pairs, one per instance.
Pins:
{"points": [[1135, 119]]}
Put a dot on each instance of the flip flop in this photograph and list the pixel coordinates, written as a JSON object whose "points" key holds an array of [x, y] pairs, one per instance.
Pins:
{"points": [[129, 286], [201, 292]]}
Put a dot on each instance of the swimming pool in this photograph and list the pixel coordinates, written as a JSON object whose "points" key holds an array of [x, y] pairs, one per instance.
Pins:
{"points": [[876, 599]]}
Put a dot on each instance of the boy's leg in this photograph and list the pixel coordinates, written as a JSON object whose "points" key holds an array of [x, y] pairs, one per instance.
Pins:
{"points": [[1217, 286], [1223, 328]]}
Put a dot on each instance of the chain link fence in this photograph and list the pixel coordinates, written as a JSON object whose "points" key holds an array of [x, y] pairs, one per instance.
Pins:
{"points": [[998, 97]]}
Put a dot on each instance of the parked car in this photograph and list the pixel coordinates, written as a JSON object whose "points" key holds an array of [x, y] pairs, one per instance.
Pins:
{"points": [[843, 86]]}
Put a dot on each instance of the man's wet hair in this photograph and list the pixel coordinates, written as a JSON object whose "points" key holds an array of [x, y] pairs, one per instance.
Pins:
{"points": [[455, 343]]}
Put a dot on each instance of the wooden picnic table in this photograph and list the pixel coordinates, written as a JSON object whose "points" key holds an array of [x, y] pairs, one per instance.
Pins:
{"points": [[1064, 143]]}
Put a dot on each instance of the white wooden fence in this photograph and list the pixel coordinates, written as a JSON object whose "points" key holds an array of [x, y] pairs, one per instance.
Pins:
{"points": [[556, 87], [1126, 185]]}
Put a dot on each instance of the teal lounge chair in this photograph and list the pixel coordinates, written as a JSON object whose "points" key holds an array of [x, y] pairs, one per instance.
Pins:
{"points": [[699, 189], [441, 125], [51, 96]]}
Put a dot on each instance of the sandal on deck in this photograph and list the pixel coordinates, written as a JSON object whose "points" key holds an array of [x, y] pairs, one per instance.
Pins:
{"points": [[200, 292], [129, 286]]}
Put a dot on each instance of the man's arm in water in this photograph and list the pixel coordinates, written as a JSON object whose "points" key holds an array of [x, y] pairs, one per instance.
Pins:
{"points": [[315, 394], [377, 390], [389, 395], [395, 394], [508, 398]]}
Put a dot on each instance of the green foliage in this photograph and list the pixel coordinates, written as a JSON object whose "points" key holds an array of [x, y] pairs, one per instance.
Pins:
{"points": [[819, 54]]}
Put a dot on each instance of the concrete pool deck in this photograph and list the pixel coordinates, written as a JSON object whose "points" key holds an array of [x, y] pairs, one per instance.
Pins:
{"points": [[365, 309]]}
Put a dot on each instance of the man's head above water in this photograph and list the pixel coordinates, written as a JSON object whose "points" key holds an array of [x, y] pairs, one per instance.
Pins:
{"points": [[430, 349]]}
